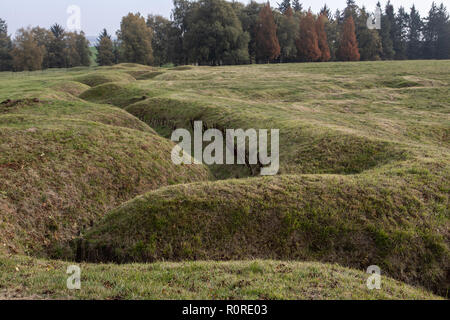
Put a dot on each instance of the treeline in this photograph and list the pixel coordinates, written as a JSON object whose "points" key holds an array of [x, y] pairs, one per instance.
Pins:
{"points": [[38, 48], [218, 32]]}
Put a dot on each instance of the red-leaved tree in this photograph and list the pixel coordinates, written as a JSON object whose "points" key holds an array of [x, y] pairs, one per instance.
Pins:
{"points": [[307, 42], [267, 45], [348, 45], [322, 38]]}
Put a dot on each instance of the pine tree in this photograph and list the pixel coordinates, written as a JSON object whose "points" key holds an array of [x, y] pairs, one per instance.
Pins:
{"points": [[436, 42], [443, 40], [400, 34], [267, 45], [57, 47], [348, 45], [322, 38], [27, 54], [135, 40], [284, 6], [297, 6], [415, 27], [105, 49], [6, 61], [385, 33]]}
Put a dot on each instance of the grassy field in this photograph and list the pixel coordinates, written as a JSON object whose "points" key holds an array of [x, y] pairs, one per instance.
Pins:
{"points": [[364, 180]]}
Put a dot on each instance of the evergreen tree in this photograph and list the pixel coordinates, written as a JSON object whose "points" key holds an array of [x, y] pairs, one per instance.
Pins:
{"points": [[284, 6], [443, 40], [348, 45], [436, 37], [135, 40], [267, 45], [105, 49], [308, 42], [27, 54], [369, 41], [57, 47], [322, 38], [287, 35], [325, 11], [6, 61], [215, 36], [415, 27], [385, 33], [297, 6], [400, 34]]}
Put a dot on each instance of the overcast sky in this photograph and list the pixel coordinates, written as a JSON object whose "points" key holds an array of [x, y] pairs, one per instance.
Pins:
{"points": [[99, 14]]}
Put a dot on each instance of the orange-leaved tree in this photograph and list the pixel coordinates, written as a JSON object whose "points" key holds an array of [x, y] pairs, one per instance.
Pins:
{"points": [[307, 42], [322, 38], [348, 45], [267, 45]]}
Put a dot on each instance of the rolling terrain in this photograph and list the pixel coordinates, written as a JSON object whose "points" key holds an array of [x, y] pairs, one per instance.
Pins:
{"points": [[86, 175]]}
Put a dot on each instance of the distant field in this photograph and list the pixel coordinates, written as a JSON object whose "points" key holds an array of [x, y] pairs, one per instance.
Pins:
{"points": [[364, 180]]}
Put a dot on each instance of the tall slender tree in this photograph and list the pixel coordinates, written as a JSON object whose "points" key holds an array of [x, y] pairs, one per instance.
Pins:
{"points": [[415, 27], [6, 61], [308, 42], [57, 47], [322, 38], [436, 36], [400, 34], [267, 45], [348, 45], [105, 49], [386, 32]]}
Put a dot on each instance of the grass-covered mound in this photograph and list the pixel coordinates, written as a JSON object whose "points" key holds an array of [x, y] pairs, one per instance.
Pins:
{"points": [[27, 278], [65, 162], [305, 148], [352, 221], [115, 93], [98, 78], [60, 176]]}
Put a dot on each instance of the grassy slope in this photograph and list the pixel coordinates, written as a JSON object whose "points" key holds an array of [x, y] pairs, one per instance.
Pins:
{"points": [[387, 124], [65, 162], [381, 128], [29, 278]]}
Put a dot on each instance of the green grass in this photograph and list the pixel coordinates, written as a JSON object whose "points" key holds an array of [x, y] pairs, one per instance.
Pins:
{"points": [[27, 278], [364, 178]]}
